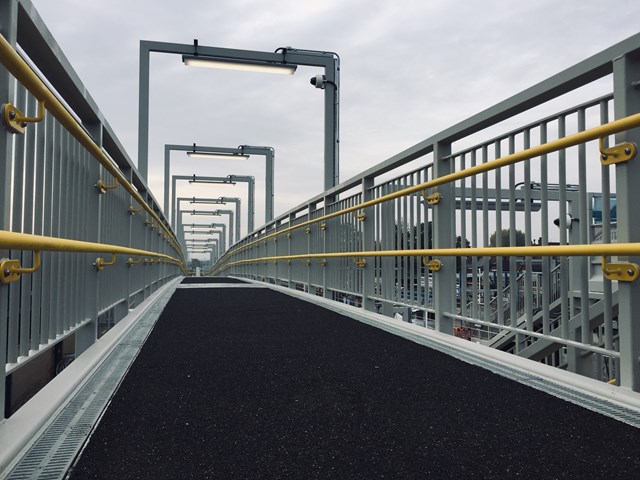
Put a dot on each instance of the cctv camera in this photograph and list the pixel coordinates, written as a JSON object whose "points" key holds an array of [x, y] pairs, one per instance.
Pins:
{"points": [[319, 81], [569, 219]]}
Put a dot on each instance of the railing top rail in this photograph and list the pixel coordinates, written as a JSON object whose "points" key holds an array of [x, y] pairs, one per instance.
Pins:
{"points": [[532, 125]]}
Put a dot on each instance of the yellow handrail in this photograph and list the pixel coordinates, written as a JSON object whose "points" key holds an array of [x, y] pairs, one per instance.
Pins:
{"points": [[25, 75], [632, 121], [599, 249], [25, 241]]}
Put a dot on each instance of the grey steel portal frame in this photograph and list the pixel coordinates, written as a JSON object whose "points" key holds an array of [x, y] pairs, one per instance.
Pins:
{"points": [[206, 244], [218, 201], [181, 231], [216, 213], [329, 61], [268, 152], [221, 233], [230, 179]]}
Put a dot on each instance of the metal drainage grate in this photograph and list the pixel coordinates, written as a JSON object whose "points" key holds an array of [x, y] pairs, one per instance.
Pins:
{"points": [[52, 454]]}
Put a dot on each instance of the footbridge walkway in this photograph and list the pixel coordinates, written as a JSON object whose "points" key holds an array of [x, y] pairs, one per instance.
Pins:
{"points": [[466, 308], [278, 387]]}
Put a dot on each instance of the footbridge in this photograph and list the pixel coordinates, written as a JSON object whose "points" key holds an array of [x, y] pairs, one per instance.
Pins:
{"points": [[468, 308]]}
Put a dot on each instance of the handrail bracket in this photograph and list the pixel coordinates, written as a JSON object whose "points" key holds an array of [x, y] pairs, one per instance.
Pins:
{"points": [[620, 153], [620, 271], [10, 270], [16, 121]]}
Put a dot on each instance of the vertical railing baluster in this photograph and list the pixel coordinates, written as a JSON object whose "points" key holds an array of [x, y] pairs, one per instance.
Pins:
{"points": [[528, 284], [513, 274], [474, 238], [544, 200], [486, 279], [606, 239], [16, 333], [462, 272], [498, 239]]}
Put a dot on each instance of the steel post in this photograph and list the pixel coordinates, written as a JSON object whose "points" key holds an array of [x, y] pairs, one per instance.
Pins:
{"points": [[626, 72], [143, 112], [444, 280]]}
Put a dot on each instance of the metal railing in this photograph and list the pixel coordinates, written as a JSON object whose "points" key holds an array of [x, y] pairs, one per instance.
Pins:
{"points": [[428, 243], [82, 240]]}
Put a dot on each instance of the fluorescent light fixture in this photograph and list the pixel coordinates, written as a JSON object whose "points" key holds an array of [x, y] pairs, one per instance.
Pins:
{"points": [[218, 182], [222, 156], [213, 213], [209, 202], [237, 64]]}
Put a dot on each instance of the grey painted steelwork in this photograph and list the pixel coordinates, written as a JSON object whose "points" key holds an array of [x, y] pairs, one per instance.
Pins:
{"points": [[48, 179], [329, 61], [555, 310], [626, 72], [268, 153], [217, 201], [230, 179], [181, 229]]}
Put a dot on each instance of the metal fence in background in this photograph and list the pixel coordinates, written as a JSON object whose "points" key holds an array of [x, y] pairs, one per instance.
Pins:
{"points": [[74, 195], [562, 188]]}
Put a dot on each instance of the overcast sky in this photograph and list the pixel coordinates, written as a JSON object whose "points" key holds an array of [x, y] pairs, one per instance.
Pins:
{"points": [[409, 68]]}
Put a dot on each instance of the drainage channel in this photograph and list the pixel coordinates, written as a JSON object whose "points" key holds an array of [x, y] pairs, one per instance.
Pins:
{"points": [[52, 454]]}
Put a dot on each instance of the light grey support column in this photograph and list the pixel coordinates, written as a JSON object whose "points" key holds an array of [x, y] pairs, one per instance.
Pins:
{"points": [[252, 204], [331, 125], [444, 281], [231, 227], [8, 29], [238, 203], [269, 196], [167, 174], [143, 112], [626, 71], [223, 237], [173, 203]]}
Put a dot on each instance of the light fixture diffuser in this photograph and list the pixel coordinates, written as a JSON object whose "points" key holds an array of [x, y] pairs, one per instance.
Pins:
{"points": [[233, 64], [222, 156], [217, 182]]}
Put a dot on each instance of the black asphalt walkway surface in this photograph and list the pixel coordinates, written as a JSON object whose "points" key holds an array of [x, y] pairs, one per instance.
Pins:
{"points": [[248, 383]]}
